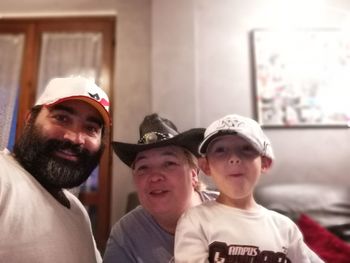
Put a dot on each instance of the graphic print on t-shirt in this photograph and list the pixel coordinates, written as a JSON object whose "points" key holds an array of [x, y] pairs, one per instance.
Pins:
{"points": [[220, 252]]}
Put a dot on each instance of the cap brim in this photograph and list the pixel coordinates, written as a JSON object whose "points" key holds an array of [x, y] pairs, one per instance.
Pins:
{"points": [[190, 140], [202, 149], [95, 104]]}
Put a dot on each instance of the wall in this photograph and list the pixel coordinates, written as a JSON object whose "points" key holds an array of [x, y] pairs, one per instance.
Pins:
{"points": [[224, 65], [173, 64], [133, 92], [223, 75]]}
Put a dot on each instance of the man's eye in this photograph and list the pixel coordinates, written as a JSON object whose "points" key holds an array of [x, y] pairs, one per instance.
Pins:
{"points": [[93, 129], [60, 118]]}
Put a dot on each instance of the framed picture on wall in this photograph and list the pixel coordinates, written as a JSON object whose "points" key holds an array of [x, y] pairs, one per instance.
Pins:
{"points": [[302, 78]]}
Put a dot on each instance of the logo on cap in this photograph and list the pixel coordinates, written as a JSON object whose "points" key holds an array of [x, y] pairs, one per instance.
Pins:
{"points": [[94, 96], [103, 101], [229, 123]]}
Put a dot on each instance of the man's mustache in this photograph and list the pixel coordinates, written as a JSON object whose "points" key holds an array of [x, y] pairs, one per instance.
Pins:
{"points": [[77, 149]]}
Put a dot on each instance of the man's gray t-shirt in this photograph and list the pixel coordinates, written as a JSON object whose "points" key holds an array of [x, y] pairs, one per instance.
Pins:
{"points": [[137, 238]]}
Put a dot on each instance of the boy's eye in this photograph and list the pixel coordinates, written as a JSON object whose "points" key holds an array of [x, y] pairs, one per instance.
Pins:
{"points": [[248, 150], [218, 150]]}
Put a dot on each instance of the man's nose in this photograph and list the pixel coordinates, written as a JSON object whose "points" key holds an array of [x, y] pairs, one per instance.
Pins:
{"points": [[75, 136]]}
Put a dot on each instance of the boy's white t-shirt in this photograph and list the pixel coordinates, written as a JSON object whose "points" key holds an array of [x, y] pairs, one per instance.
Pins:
{"points": [[35, 227], [225, 234]]}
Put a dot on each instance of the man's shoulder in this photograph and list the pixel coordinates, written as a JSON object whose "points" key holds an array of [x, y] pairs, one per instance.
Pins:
{"points": [[10, 168], [5, 151], [5, 155]]}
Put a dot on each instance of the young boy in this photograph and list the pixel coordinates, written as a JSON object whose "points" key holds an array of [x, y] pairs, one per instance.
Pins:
{"points": [[234, 228]]}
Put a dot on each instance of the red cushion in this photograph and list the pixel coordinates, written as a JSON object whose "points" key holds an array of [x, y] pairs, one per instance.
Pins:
{"points": [[325, 244]]}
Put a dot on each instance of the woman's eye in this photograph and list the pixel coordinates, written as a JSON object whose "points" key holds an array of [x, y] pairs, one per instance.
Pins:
{"points": [[170, 163], [140, 168]]}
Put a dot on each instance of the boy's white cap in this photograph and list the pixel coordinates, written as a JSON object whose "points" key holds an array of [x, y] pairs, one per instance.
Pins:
{"points": [[76, 88], [244, 127]]}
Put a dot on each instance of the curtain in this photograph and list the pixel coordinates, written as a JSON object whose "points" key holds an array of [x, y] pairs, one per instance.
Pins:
{"points": [[11, 51], [69, 54]]}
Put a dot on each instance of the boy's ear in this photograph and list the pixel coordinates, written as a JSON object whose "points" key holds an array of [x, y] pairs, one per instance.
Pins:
{"points": [[204, 165], [265, 163]]}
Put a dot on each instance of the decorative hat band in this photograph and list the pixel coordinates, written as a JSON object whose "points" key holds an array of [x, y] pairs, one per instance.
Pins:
{"points": [[152, 137]]}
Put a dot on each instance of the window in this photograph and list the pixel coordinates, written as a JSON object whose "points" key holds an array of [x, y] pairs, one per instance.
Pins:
{"points": [[35, 50]]}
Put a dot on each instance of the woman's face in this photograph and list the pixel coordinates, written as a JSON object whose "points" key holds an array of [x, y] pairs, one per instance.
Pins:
{"points": [[164, 180]]}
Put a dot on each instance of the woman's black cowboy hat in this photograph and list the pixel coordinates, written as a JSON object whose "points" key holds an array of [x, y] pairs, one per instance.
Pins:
{"points": [[156, 131]]}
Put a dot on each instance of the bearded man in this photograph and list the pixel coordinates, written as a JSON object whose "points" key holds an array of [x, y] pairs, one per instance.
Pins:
{"points": [[62, 142]]}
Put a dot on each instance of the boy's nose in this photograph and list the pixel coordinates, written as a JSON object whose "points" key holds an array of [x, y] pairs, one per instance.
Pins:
{"points": [[234, 159]]}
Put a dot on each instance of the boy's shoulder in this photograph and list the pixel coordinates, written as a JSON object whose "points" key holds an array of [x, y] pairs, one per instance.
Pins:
{"points": [[278, 217], [204, 207]]}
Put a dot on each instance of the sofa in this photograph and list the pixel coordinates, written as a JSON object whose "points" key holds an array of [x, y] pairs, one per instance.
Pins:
{"points": [[321, 211]]}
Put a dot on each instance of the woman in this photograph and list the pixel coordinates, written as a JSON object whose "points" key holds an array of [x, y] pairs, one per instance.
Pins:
{"points": [[165, 174]]}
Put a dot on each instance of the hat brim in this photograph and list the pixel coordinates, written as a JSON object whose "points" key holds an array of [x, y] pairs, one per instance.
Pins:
{"points": [[189, 140]]}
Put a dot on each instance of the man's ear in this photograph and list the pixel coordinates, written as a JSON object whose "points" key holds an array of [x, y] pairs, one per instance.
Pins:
{"points": [[204, 165], [265, 163], [28, 115]]}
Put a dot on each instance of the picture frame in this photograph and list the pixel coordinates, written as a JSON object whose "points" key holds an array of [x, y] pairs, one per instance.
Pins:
{"points": [[301, 78]]}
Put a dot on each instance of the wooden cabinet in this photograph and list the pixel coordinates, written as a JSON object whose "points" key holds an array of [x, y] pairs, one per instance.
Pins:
{"points": [[43, 48]]}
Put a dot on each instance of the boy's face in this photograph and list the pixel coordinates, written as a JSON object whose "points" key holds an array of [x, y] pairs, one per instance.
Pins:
{"points": [[235, 166]]}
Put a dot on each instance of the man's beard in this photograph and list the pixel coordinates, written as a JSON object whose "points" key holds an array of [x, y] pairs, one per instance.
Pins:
{"points": [[37, 155]]}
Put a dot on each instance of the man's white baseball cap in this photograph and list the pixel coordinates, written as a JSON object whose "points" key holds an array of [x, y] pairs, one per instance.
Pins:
{"points": [[76, 88], [244, 127]]}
